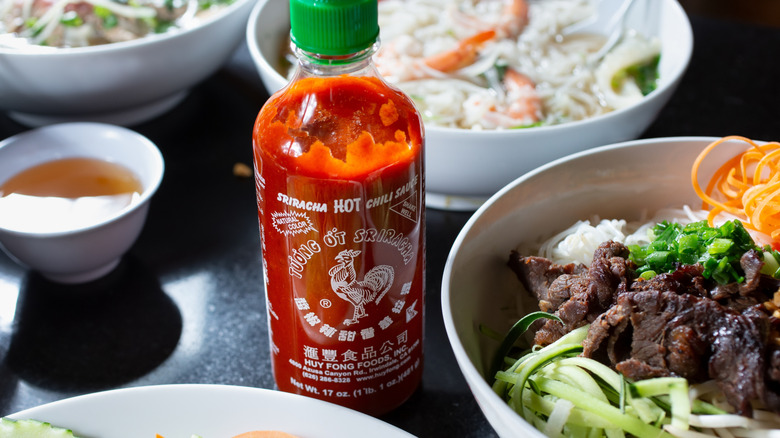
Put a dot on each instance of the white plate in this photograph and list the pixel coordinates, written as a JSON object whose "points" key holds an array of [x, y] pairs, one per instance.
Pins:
{"points": [[211, 411]]}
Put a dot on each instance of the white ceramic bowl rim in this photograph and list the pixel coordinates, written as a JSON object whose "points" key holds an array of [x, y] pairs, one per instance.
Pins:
{"points": [[142, 142], [124, 45]]}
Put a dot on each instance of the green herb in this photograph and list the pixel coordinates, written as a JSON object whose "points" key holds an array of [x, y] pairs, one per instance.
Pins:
{"points": [[717, 249], [71, 19], [645, 75], [771, 262], [163, 26], [529, 125], [206, 4], [110, 20]]}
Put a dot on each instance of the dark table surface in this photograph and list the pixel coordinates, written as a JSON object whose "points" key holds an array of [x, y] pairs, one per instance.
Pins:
{"points": [[186, 304]]}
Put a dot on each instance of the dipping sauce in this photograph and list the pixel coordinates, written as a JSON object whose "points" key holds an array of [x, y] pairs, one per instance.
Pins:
{"points": [[66, 194]]}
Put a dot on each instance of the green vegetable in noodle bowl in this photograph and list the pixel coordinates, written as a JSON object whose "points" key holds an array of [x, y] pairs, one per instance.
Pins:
{"points": [[81, 23], [717, 249], [563, 394]]}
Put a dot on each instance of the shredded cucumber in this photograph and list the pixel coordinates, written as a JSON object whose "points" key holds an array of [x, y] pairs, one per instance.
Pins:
{"points": [[564, 394], [31, 429]]}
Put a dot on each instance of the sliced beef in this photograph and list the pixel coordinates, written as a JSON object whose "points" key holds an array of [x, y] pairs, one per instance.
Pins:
{"points": [[687, 279], [648, 334], [755, 290], [751, 262], [609, 272], [538, 273], [739, 348], [575, 294], [574, 311], [684, 335], [772, 392]]}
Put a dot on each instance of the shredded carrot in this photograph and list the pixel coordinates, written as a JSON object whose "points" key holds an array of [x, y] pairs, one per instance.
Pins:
{"points": [[746, 186]]}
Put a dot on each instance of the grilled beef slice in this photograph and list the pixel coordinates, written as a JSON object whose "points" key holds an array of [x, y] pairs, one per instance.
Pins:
{"points": [[538, 273], [661, 333], [575, 294]]}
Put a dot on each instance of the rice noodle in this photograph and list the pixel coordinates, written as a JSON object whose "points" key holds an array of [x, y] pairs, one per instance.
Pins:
{"points": [[569, 87], [577, 243]]}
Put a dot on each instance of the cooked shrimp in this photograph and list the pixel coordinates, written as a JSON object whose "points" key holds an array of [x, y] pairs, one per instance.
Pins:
{"points": [[515, 19], [395, 56], [524, 102], [520, 105], [464, 54], [510, 24]]}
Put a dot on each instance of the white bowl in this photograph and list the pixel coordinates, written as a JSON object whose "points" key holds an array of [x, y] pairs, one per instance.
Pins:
{"points": [[85, 253], [123, 83], [464, 167], [617, 181]]}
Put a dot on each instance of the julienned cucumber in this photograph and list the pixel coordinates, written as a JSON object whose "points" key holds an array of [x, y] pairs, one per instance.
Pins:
{"points": [[31, 429]]}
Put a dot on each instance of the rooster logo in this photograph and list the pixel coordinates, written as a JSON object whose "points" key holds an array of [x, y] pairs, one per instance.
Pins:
{"points": [[344, 281]]}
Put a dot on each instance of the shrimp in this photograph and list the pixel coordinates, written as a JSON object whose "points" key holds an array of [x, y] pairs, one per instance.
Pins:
{"points": [[461, 56], [512, 20], [508, 102], [524, 101], [520, 106], [510, 25], [394, 57]]}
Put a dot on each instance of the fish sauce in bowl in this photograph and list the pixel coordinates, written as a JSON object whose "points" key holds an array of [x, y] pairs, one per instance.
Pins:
{"points": [[66, 194]]}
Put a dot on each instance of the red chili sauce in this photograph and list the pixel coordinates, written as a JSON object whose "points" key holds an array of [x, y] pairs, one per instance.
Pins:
{"points": [[339, 174]]}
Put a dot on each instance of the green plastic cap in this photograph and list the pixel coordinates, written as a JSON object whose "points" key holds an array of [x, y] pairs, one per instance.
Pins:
{"points": [[334, 27]]}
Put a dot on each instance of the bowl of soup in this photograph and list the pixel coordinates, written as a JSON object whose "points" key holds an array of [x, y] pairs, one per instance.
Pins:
{"points": [[74, 197], [505, 86], [106, 63]]}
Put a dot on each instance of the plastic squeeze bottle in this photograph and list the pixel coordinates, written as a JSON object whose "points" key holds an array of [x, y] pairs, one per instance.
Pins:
{"points": [[339, 170]]}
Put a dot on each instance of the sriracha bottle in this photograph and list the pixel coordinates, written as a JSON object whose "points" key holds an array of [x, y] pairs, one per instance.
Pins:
{"points": [[339, 171]]}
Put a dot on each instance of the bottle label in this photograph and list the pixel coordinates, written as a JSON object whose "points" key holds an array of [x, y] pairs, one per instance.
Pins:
{"points": [[344, 271]]}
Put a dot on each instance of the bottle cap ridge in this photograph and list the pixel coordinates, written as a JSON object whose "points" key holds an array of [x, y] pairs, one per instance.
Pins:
{"points": [[334, 27]]}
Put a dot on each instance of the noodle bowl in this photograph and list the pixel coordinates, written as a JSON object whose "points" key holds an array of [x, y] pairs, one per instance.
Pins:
{"points": [[615, 181], [81, 23]]}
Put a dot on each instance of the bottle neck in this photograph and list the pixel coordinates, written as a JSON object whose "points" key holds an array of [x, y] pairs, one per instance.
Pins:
{"points": [[313, 64]]}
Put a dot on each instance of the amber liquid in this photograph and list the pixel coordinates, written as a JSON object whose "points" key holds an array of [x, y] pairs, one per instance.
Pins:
{"points": [[66, 194]]}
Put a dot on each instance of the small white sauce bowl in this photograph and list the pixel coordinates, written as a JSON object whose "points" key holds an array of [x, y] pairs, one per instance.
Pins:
{"points": [[87, 253]]}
